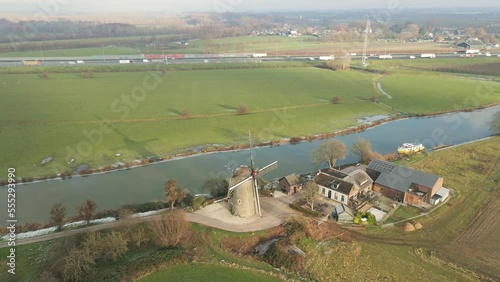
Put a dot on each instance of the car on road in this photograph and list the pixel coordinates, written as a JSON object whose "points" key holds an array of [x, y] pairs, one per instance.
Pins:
{"points": [[412, 57]]}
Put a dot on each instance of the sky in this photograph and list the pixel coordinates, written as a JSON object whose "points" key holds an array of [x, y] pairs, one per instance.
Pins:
{"points": [[176, 6]]}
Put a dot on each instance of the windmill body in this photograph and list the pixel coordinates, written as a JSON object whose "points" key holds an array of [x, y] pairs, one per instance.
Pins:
{"points": [[244, 198], [243, 191]]}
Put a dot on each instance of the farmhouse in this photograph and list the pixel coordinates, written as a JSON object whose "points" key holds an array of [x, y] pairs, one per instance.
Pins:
{"points": [[403, 184], [290, 184], [342, 187], [471, 43]]}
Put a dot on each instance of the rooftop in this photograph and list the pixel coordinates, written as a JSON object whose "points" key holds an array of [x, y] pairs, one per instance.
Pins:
{"points": [[292, 179], [333, 183], [400, 178]]}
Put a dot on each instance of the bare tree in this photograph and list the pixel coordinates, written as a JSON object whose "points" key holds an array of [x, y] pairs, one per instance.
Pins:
{"points": [[173, 193], [139, 236], [44, 75], [58, 216], [311, 193], [170, 230], [242, 109], [185, 113], [328, 152], [363, 149], [87, 210], [77, 263], [115, 245]]}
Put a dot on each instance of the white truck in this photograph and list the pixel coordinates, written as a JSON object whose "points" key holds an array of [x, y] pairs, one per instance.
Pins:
{"points": [[471, 51], [327, 58], [80, 62], [124, 61], [259, 55], [384, 57], [429, 56]]}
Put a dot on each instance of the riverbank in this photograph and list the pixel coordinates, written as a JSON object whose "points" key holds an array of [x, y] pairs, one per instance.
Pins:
{"points": [[210, 149]]}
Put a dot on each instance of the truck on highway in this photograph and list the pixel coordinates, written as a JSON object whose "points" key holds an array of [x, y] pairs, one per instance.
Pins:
{"points": [[80, 62], [471, 51], [429, 56], [124, 61], [385, 57], [31, 63], [259, 55], [327, 58]]}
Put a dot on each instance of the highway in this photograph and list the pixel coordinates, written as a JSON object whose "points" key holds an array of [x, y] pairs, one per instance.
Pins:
{"points": [[136, 59]]}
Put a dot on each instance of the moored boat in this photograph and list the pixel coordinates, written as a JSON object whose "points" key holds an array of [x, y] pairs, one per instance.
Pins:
{"points": [[410, 148]]}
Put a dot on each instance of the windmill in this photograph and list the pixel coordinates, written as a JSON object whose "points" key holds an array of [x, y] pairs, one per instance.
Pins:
{"points": [[243, 191]]}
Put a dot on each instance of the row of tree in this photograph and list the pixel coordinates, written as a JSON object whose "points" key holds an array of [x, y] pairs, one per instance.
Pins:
{"points": [[330, 150], [58, 213]]}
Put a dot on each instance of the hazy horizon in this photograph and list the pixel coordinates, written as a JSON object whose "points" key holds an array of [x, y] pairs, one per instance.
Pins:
{"points": [[171, 6]]}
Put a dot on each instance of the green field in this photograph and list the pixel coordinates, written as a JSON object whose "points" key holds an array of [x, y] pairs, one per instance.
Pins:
{"points": [[421, 92], [200, 272], [303, 44], [51, 117], [244, 44], [66, 116], [73, 52]]}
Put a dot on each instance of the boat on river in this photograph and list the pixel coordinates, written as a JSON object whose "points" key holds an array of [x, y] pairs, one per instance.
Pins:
{"points": [[410, 148]]}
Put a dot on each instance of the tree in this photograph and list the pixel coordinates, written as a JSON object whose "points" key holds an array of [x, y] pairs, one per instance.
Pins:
{"points": [[58, 216], [170, 230], [328, 152], [87, 210], [242, 109], [216, 186], [76, 264], [185, 114], [363, 149], [335, 100], [139, 236], [310, 193], [495, 123], [173, 193], [115, 245]]}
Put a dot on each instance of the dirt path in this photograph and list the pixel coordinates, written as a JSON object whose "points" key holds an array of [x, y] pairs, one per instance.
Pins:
{"points": [[274, 212]]}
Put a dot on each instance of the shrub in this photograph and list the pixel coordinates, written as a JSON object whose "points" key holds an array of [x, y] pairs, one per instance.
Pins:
{"points": [[335, 100], [242, 109], [197, 203]]}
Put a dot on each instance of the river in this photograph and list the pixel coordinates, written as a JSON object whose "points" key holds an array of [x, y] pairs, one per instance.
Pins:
{"points": [[137, 185]]}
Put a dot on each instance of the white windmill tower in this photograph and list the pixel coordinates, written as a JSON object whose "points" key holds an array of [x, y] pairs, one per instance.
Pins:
{"points": [[243, 191]]}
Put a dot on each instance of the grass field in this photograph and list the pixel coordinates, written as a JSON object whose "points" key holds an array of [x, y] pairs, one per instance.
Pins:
{"points": [[303, 44], [403, 212], [420, 92], [46, 117], [244, 44], [200, 272], [66, 116], [73, 52]]}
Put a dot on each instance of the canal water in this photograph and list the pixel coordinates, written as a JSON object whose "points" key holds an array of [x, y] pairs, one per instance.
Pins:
{"points": [[138, 185]]}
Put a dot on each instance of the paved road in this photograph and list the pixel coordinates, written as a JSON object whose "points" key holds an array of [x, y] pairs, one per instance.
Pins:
{"points": [[274, 212]]}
